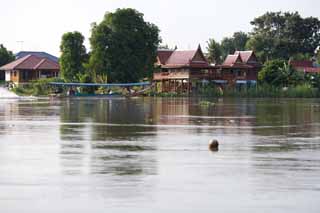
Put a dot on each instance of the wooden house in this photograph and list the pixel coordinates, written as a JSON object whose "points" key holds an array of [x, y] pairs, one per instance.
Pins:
{"points": [[186, 71], [181, 71], [30, 67], [308, 67], [239, 70]]}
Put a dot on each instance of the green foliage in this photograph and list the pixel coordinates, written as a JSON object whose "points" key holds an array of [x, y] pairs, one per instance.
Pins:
{"points": [[214, 51], [86, 78], [210, 90], [124, 47], [39, 87], [236, 42], [279, 74], [5, 55], [73, 56], [278, 35], [206, 103], [315, 80]]}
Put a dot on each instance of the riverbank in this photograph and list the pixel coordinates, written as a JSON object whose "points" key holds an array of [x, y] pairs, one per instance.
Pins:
{"points": [[43, 88], [263, 91]]}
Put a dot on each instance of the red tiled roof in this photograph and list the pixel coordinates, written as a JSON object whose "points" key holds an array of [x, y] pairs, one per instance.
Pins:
{"points": [[175, 59], [163, 55], [312, 69], [232, 59], [245, 55], [15, 63], [301, 63], [236, 65], [181, 57], [46, 64], [31, 62]]}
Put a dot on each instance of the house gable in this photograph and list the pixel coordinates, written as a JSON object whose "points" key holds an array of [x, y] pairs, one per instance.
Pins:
{"points": [[232, 59], [199, 57]]}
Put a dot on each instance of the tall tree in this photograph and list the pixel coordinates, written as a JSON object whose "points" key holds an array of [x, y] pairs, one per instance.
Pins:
{"points": [[5, 57], [214, 51], [73, 56], [124, 46], [237, 42], [282, 35]]}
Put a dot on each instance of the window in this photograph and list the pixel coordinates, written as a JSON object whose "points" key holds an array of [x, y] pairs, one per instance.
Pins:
{"points": [[15, 73]]}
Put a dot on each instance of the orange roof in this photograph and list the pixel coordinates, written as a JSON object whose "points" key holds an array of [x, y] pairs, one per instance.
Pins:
{"points": [[31, 62]]}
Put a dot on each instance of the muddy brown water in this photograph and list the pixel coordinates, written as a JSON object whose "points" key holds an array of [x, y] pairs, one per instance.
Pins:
{"points": [[151, 155]]}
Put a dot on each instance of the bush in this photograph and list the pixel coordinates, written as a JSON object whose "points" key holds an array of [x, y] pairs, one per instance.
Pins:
{"points": [[39, 87]]}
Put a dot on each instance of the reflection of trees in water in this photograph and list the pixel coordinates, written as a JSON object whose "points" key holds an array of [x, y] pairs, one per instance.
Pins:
{"points": [[106, 132], [284, 127], [293, 118], [73, 114], [24, 111]]}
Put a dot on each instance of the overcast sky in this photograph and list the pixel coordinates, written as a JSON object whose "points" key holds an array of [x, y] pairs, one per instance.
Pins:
{"points": [[185, 23]]}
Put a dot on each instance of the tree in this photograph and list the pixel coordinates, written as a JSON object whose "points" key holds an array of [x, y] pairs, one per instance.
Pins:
{"points": [[5, 57], [163, 47], [73, 56], [282, 35], [237, 42], [214, 51], [280, 74], [124, 47]]}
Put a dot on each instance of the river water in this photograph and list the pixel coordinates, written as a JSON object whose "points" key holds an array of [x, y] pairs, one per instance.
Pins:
{"points": [[151, 155]]}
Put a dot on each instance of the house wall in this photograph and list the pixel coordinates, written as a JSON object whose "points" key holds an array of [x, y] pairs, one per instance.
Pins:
{"points": [[24, 76], [8, 75], [15, 76]]}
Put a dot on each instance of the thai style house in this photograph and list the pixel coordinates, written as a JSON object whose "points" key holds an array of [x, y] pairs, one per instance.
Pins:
{"points": [[308, 67], [186, 71], [30, 67], [181, 71], [239, 70]]}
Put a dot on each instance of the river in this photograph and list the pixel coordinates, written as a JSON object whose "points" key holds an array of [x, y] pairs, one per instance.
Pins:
{"points": [[151, 155]]}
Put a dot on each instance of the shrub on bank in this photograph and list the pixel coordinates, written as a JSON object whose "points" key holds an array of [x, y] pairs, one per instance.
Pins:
{"points": [[39, 87]]}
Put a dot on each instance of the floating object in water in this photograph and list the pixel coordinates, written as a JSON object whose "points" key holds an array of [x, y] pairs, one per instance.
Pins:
{"points": [[213, 145]]}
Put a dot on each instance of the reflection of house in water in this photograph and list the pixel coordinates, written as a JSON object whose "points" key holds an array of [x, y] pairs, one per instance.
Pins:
{"points": [[188, 112], [107, 137]]}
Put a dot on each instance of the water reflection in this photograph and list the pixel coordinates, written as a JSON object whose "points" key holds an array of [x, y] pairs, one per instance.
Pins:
{"points": [[98, 129], [148, 152]]}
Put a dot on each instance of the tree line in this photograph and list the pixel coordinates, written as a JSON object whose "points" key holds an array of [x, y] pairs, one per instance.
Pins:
{"points": [[275, 35], [123, 46], [123, 49], [276, 38]]}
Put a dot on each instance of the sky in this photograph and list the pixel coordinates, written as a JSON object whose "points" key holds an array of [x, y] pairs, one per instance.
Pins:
{"points": [[38, 25]]}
